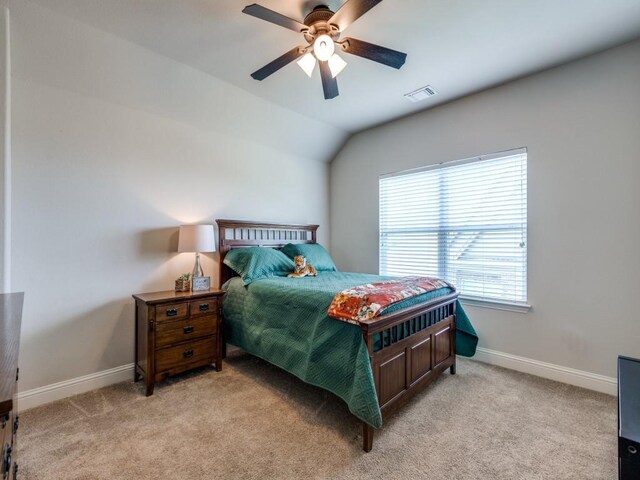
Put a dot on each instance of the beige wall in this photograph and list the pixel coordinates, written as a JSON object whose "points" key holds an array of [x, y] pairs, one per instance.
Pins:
{"points": [[580, 124], [113, 148], [5, 151]]}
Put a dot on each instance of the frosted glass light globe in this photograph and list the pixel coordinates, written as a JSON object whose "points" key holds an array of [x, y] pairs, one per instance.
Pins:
{"points": [[307, 63], [323, 47], [336, 65]]}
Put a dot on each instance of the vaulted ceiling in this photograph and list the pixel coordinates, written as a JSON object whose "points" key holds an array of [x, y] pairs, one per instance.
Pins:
{"points": [[457, 46]]}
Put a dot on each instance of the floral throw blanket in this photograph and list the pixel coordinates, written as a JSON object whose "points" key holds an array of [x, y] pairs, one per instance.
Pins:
{"points": [[366, 301]]}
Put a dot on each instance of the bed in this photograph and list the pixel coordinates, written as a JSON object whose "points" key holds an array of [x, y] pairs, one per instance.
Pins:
{"points": [[375, 366]]}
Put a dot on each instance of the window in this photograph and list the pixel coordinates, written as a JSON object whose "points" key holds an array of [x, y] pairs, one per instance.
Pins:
{"points": [[465, 222]]}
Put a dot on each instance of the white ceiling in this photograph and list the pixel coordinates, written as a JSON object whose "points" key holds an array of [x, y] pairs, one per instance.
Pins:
{"points": [[457, 46]]}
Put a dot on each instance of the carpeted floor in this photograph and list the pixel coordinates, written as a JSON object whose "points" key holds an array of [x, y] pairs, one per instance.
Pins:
{"points": [[254, 421]]}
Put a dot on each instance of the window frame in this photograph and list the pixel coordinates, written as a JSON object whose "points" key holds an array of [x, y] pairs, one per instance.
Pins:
{"points": [[466, 299]]}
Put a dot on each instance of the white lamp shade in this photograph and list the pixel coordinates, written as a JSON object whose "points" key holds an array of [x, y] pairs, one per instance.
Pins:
{"points": [[196, 238]]}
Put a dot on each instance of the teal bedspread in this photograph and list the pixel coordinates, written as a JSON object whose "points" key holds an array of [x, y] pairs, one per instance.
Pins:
{"points": [[284, 321]]}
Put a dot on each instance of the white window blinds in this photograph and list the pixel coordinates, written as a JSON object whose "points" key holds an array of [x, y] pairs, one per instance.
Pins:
{"points": [[465, 222]]}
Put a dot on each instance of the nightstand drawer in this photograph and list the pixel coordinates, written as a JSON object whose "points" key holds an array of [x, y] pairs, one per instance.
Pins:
{"points": [[168, 333], [171, 311], [205, 306], [186, 355]]}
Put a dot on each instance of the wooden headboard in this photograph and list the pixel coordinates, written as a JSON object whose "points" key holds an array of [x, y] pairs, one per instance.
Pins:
{"points": [[239, 233]]}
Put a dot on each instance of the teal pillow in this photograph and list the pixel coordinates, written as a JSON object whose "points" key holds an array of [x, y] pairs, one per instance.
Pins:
{"points": [[254, 263], [315, 254]]}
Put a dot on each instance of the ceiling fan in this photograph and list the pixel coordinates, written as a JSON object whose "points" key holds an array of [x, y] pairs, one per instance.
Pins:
{"points": [[321, 30]]}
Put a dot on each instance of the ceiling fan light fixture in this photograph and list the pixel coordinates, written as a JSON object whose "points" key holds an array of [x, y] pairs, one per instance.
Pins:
{"points": [[307, 64], [323, 47], [336, 65], [321, 29]]}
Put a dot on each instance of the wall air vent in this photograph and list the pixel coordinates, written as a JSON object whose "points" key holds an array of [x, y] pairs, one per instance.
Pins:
{"points": [[420, 94]]}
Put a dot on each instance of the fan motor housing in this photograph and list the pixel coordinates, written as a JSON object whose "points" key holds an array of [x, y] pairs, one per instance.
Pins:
{"points": [[318, 22], [321, 13]]}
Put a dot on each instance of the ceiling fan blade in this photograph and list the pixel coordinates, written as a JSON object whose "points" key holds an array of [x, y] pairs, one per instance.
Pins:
{"points": [[278, 63], [351, 11], [264, 13], [379, 54], [329, 83]]}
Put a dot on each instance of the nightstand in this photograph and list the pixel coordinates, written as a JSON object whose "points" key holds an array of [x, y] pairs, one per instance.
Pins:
{"points": [[175, 332]]}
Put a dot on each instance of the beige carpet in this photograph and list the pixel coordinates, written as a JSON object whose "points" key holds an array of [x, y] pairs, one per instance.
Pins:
{"points": [[253, 421]]}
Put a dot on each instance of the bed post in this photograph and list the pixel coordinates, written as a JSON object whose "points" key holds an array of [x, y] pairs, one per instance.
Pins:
{"points": [[367, 437], [367, 430], [452, 368]]}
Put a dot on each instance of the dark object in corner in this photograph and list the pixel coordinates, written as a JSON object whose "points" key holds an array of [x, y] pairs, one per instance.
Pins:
{"points": [[629, 418]]}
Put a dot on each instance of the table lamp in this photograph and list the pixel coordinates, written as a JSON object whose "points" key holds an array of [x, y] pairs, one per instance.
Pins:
{"points": [[198, 239]]}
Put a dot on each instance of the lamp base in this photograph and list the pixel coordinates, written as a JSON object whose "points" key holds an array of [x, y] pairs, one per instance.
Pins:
{"points": [[197, 268]]}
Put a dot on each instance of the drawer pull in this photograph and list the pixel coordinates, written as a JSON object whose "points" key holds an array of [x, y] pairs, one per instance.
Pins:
{"points": [[204, 307], [187, 330], [172, 312], [7, 460], [187, 354]]}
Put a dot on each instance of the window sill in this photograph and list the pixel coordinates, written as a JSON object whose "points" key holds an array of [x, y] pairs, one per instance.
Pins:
{"points": [[495, 305]]}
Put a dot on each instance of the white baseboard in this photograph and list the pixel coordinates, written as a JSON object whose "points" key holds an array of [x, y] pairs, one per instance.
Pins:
{"points": [[57, 391], [579, 378]]}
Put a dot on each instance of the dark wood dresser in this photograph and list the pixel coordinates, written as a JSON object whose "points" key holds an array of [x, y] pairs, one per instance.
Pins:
{"points": [[10, 320], [175, 332]]}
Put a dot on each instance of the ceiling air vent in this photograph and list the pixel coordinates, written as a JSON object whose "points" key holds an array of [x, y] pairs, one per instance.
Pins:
{"points": [[421, 94]]}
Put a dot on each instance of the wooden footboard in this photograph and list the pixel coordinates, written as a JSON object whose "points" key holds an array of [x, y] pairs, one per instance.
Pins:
{"points": [[409, 349]]}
